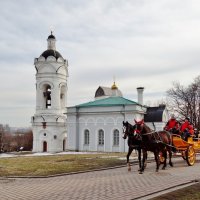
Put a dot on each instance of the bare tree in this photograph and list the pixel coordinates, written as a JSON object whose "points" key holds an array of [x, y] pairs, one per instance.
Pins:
{"points": [[185, 101], [1, 137], [24, 140], [13, 141]]}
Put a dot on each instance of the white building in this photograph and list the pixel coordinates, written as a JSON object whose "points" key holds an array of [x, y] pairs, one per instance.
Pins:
{"points": [[49, 122], [97, 125]]}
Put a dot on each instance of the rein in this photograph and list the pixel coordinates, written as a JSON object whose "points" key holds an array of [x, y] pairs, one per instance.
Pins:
{"points": [[153, 134], [150, 133]]}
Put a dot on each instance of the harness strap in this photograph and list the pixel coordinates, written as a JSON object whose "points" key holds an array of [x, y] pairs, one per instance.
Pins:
{"points": [[149, 133]]}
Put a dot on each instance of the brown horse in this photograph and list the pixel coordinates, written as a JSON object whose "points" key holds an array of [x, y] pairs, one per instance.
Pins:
{"points": [[134, 142], [156, 142]]}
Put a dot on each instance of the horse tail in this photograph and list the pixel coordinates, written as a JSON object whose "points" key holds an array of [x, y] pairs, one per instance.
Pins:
{"points": [[170, 141], [169, 137]]}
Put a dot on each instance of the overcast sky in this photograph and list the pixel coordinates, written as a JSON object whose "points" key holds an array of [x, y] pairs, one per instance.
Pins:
{"points": [[148, 43]]}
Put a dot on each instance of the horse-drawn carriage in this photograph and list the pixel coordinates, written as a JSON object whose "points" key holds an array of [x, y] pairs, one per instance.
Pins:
{"points": [[187, 148], [142, 138]]}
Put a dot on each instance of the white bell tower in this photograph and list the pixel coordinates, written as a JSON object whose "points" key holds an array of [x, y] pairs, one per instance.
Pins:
{"points": [[49, 121]]}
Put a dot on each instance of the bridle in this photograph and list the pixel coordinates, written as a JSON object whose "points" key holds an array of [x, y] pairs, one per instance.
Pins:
{"points": [[135, 132]]}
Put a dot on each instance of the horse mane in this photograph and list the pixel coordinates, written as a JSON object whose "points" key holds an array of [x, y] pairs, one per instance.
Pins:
{"points": [[146, 128], [128, 124]]}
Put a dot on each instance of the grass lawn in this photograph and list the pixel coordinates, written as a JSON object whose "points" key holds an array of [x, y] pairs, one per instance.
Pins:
{"points": [[58, 164], [188, 193]]}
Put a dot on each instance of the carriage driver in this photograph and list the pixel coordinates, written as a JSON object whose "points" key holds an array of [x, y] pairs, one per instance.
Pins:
{"points": [[186, 129], [172, 125]]}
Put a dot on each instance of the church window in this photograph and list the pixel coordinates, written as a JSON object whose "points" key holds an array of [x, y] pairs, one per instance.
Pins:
{"points": [[116, 137], [101, 137], [86, 137]]}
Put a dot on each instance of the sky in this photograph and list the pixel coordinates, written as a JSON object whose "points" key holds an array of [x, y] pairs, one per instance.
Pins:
{"points": [[141, 43]]}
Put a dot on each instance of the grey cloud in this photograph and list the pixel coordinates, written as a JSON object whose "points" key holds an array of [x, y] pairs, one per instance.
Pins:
{"points": [[141, 42]]}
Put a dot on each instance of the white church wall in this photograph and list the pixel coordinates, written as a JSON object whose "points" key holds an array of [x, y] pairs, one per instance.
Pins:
{"points": [[53, 135], [72, 133], [94, 120]]}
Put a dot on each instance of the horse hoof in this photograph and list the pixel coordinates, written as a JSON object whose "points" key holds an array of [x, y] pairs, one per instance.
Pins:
{"points": [[171, 164], [129, 169], [163, 168], [140, 172]]}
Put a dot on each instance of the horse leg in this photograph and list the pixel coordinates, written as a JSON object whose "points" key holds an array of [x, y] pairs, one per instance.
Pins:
{"points": [[139, 159], [130, 149], [156, 155], [143, 161], [170, 157], [165, 158]]}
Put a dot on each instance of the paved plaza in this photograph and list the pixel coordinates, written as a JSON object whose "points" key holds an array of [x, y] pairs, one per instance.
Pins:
{"points": [[116, 184]]}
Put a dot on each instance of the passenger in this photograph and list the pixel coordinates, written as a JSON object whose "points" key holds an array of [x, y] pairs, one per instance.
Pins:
{"points": [[172, 125], [186, 129]]}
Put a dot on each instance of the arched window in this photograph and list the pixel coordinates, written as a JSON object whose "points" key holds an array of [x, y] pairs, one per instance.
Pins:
{"points": [[62, 96], [101, 137], [47, 96], [116, 137], [86, 137]]}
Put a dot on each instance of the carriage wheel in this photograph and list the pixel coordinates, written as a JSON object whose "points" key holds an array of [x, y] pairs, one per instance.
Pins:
{"points": [[183, 154], [190, 156], [161, 157]]}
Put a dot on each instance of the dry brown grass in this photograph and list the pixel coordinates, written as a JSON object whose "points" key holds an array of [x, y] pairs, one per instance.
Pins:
{"points": [[51, 165], [188, 193]]}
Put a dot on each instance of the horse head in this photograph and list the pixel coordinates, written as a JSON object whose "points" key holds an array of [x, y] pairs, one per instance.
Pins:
{"points": [[139, 125], [130, 130], [125, 129]]}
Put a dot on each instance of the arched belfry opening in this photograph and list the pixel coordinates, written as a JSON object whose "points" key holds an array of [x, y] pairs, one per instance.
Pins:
{"points": [[47, 96], [62, 96]]}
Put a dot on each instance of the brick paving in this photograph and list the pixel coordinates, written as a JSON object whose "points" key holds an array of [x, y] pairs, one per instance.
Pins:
{"points": [[112, 184]]}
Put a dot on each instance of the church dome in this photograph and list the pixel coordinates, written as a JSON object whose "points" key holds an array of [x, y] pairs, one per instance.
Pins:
{"points": [[51, 48], [114, 87], [51, 36], [51, 52]]}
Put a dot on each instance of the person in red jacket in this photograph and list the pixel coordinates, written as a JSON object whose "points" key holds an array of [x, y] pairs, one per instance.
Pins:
{"points": [[172, 125], [186, 129]]}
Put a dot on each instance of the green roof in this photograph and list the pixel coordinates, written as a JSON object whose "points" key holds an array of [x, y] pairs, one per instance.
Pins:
{"points": [[110, 101]]}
